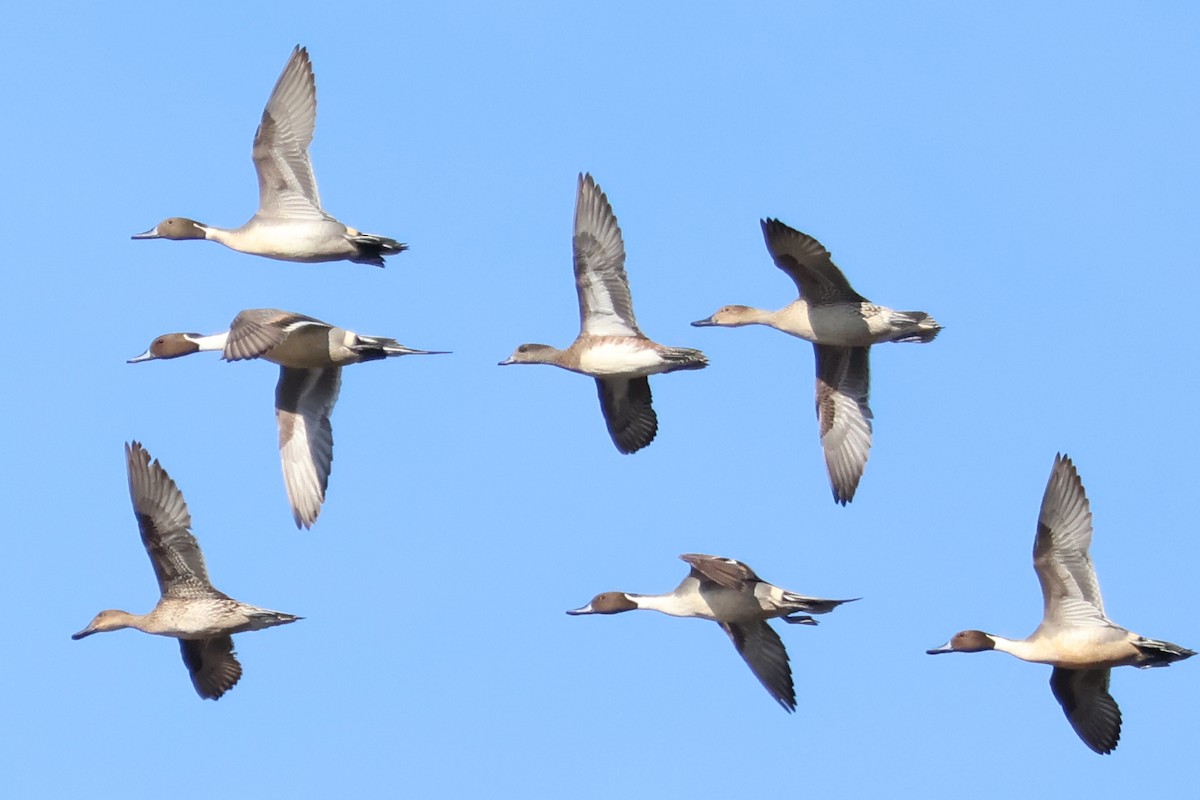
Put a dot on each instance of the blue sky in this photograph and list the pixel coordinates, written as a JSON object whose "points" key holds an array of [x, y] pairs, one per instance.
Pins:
{"points": [[1028, 175]]}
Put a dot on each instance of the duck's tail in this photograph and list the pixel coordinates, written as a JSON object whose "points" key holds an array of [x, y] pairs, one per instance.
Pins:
{"points": [[915, 326], [811, 605], [684, 358], [372, 248], [262, 618], [1155, 653], [372, 348]]}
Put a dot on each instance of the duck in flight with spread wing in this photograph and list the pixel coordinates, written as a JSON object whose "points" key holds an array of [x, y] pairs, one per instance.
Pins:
{"points": [[290, 224], [189, 608], [310, 354], [1076, 636], [610, 347], [842, 325], [729, 593]]}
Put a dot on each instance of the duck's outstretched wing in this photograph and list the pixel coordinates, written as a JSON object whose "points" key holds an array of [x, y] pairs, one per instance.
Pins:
{"points": [[304, 399], [808, 264], [1070, 591], [763, 651], [257, 331], [212, 664], [286, 184], [843, 415], [1091, 710], [724, 572], [165, 526], [628, 411], [605, 304]]}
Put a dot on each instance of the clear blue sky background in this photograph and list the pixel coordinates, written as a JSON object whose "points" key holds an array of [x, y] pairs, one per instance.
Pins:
{"points": [[1028, 175]]}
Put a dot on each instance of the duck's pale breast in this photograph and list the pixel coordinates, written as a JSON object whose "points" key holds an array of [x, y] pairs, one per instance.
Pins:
{"points": [[624, 356], [197, 618], [1082, 648]]}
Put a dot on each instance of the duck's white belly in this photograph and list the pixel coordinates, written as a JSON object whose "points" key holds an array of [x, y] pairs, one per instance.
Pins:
{"points": [[289, 240], [1088, 647], [626, 358]]}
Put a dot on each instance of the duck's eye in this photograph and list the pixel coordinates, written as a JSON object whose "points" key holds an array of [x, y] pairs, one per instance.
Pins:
{"points": [[523, 348]]}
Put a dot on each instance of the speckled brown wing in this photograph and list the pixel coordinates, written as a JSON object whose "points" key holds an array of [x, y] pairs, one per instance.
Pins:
{"points": [[212, 664], [165, 526]]}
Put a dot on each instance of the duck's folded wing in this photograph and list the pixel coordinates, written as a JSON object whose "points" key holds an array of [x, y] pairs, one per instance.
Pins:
{"points": [[763, 651], [1091, 710], [304, 399], [212, 663], [286, 184], [808, 264], [605, 304], [1070, 591], [165, 526], [725, 572], [843, 416], [626, 404], [256, 331]]}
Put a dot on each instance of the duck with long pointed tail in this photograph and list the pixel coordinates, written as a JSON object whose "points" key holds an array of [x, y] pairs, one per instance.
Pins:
{"points": [[189, 609], [310, 354], [1076, 636], [842, 325], [729, 593], [290, 224], [610, 347]]}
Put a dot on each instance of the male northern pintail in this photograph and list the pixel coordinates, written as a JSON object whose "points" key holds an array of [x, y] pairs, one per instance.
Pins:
{"points": [[290, 224], [1075, 636], [190, 609], [310, 354], [610, 346], [730, 594], [842, 325]]}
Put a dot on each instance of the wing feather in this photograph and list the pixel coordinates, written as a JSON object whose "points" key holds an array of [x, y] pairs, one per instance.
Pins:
{"points": [[304, 399], [843, 415], [286, 184], [1060, 549], [808, 264], [1091, 710], [628, 412], [763, 651], [165, 526], [212, 664], [605, 304]]}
